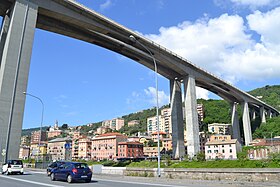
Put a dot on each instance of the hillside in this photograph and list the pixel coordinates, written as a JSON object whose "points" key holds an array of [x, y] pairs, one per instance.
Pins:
{"points": [[215, 111], [268, 94]]}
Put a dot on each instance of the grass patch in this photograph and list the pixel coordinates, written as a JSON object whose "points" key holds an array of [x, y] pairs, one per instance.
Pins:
{"points": [[211, 164]]}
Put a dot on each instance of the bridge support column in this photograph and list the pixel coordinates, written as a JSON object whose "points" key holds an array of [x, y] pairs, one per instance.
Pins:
{"points": [[16, 46], [269, 113], [235, 122], [246, 123], [262, 114], [192, 124], [178, 146]]}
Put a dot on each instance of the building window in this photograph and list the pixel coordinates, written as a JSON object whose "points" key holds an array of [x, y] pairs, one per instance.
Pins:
{"points": [[230, 150], [223, 151], [209, 151]]}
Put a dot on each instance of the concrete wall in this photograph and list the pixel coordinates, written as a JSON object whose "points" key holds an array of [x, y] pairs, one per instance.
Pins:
{"points": [[230, 174]]}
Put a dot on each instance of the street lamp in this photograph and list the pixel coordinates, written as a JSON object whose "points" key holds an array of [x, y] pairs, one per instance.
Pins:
{"points": [[42, 118], [132, 38]]}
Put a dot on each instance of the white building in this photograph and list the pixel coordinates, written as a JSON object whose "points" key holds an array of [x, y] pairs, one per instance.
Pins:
{"points": [[114, 124], [222, 149], [220, 128]]}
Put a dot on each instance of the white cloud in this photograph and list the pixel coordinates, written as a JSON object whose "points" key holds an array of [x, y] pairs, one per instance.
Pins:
{"points": [[225, 45], [267, 25], [162, 97], [253, 4], [106, 5], [202, 93]]}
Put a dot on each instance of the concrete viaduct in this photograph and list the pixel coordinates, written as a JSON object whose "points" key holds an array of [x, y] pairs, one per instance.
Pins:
{"points": [[69, 18]]}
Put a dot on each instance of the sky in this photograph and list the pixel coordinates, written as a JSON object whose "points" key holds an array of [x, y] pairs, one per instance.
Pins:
{"points": [[80, 83]]}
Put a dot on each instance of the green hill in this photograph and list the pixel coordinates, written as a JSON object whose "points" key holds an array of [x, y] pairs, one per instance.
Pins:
{"points": [[268, 94], [215, 111]]}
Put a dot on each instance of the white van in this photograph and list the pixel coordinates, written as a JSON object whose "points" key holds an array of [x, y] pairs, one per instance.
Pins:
{"points": [[13, 166]]}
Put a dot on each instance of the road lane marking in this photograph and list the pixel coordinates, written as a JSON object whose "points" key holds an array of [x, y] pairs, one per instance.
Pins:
{"points": [[32, 182], [142, 183]]}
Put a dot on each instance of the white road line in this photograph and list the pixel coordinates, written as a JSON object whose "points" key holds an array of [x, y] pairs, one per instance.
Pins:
{"points": [[32, 182], [147, 184]]}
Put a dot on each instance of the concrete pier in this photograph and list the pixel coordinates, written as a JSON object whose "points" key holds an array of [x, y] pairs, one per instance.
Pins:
{"points": [[16, 42], [178, 146], [191, 116], [235, 122], [262, 114], [246, 123]]}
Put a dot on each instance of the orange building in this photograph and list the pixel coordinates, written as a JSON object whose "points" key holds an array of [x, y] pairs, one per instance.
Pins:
{"points": [[130, 150], [84, 148], [167, 143], [105, 146], [75, 144], [161, 136]]}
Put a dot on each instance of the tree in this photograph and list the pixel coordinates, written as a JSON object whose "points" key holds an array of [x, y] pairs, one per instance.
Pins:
{"points": [[64, 126]]}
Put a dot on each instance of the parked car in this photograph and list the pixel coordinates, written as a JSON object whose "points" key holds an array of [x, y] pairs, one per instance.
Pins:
{"points": [[13, 166], [53, 165], [71, 171]]}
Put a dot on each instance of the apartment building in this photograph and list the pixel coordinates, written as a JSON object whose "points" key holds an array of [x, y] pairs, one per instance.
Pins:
{"points": [[133, 123], [151, 152], [75, 144], [222, 149], [35, 136], [130, 150], [38, 151], [167, 143], [25, 140], [165, 122], [84, 144], [220, 128], [103, 130], [161, 136], [24, 152], [114, 124], [105, 146], [60, 148], [54, 133], [262, 148]]}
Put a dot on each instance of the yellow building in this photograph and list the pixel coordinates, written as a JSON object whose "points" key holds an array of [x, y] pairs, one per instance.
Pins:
{"points": [[60, 149]]}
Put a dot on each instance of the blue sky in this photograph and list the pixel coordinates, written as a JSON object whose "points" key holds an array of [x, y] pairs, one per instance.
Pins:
{"points": [[81, 83]]}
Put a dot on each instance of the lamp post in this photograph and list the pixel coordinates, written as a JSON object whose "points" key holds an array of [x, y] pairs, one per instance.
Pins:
{"points": [[132, 38], [42, 118]]}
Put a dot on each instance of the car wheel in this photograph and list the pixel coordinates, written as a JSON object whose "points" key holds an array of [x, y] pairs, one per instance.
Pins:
{"points": [[69, 179], [52, 177], [88, 180], [21, 173]]}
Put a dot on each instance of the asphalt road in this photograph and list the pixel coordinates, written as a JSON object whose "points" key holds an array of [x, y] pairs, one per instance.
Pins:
{"points": [[38, 178]]}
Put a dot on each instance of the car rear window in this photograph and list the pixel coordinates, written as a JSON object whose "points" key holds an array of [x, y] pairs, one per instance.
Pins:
{"points": [[80, 166], [15, 162]]}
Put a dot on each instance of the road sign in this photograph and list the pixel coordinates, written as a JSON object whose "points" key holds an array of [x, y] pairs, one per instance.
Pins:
{"points": [[67, 146], [3, 152]]}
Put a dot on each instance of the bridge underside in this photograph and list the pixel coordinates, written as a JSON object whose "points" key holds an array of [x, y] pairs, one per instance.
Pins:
{"points": [[76, 21]]}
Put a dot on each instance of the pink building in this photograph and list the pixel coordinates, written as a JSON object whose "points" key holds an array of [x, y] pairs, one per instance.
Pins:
{"points": [[54, 133], [105, 146]]}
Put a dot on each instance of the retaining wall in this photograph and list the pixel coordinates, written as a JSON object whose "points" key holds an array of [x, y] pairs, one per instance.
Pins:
{"points": [[231, 174]]}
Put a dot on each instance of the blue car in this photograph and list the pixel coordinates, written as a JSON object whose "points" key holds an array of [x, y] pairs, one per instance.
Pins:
{"points": [[72, 171]]}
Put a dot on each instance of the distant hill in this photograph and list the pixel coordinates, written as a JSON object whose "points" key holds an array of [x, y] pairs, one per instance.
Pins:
{"points": [[215, 111], [268, 94], [25, 132]]}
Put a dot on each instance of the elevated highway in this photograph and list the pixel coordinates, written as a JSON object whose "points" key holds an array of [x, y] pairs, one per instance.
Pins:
{"points": [[69, 18]]}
